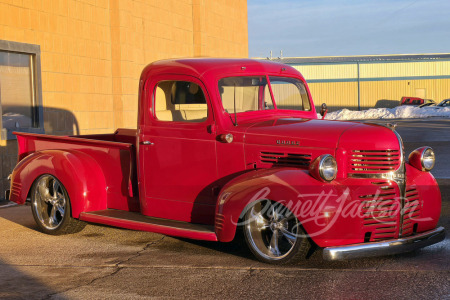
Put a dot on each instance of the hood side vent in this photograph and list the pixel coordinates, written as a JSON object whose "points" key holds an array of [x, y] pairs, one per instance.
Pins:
{"points": [[285, 159]]}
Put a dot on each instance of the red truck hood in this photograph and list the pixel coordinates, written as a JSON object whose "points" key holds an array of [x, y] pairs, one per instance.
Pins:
{"points": [[295, 142], [297, 132]]}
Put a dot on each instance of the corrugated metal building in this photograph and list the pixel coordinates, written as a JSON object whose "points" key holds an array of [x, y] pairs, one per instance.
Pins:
{"points": [[361, 82]]}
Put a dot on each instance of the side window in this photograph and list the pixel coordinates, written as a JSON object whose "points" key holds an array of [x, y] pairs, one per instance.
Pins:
{"points": [[180, 101]]}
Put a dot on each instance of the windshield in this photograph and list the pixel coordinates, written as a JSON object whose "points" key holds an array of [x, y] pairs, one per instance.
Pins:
{"points": [[445, 103], [252, 93], [289, 93]]}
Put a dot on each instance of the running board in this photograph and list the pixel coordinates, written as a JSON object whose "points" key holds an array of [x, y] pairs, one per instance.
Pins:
{"points": [[136, 221]]}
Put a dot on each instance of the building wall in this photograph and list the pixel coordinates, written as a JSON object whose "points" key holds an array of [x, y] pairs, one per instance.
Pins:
{"points": [[336, 95], [380, 84], [379, 93], [92, 53]]}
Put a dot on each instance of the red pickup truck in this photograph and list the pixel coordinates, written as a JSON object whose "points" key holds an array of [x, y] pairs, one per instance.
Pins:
{"points": [[228, 144], [416, 101]]}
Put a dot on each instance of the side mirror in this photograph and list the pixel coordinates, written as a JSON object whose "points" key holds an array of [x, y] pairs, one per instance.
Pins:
{"points": [[323, 110]]}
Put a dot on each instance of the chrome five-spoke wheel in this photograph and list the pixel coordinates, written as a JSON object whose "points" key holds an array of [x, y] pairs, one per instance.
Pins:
{"points": [[50, 205], [273, 233]]}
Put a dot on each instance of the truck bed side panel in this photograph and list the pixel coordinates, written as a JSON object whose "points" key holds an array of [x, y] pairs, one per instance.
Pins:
{"points": [[117, 161]]}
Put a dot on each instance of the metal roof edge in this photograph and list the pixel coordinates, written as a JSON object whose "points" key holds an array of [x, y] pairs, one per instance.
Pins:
{"points": [[361, 58]]}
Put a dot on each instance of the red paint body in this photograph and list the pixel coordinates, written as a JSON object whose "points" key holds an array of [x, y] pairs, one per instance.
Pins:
{"points": [[184, 172]]}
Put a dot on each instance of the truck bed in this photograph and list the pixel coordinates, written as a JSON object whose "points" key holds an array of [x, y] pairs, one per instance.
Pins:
{"points": [[115, 154], [121, 135]]}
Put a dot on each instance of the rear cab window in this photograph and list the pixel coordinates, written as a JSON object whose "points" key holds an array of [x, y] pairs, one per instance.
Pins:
{"points": [[180, 101]]}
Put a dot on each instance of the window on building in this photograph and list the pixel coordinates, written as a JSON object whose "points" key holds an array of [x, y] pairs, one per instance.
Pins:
{"points": [[20, 96]]}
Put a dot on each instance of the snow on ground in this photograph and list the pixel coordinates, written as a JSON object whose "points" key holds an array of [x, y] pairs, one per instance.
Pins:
{"points": [[399, 112]]}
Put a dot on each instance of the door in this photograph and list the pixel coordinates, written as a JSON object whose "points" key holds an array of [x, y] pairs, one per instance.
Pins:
{"points": [[178, 151], [421, 93]]}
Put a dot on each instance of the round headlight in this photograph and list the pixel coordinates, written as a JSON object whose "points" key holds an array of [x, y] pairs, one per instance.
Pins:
{"points": [[427, 159], [328, 167], [422, 159]]}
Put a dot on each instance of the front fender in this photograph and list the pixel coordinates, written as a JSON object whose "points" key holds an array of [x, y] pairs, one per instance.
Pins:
{"points": [[78, 172], [294, 188]]}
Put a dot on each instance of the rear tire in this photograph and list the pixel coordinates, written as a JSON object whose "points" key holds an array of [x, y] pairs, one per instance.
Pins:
{"points": [[273, 233], [50, 205]]}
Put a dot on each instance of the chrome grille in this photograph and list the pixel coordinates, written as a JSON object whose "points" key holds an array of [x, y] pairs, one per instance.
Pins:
{"points": [[381, 212], [411, 210], [285, 159], [374, 161]]}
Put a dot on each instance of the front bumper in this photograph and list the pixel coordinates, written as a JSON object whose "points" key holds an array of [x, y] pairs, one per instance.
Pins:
{"points": [[387, 247]]}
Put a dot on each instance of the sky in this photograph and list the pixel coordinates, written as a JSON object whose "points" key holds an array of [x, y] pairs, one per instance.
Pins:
{"points": [[304, 28]]}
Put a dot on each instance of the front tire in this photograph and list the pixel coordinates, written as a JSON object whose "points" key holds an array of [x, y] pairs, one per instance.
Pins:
{"points": [[50, 205], [273, 233]]}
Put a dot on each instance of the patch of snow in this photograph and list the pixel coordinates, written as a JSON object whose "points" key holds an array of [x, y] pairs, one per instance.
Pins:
{"points": [[399, 112]]}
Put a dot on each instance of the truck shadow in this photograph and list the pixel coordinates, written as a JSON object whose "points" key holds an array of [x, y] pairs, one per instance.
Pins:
{"points": [[385, 103], [16, 284], [56, 121], [236, 253], [315, 261]]}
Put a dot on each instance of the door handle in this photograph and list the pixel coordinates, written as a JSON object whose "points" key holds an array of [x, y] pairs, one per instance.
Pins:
{"points": [[147, 143]]}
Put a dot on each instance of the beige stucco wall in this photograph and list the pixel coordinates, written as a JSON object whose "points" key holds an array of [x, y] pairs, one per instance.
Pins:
{"points": [[92, 53]]}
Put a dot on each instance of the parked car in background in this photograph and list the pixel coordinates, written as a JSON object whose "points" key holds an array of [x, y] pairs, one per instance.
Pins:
{"points": [[428, 104], [444, 103], [416, 101]]}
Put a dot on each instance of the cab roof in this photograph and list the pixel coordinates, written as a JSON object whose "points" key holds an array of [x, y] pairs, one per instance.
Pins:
{"points": [[217, 67]]}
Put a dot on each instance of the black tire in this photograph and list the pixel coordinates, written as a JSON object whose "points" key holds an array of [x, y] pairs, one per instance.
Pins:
{"points": [[273, 234], [50, 205]]}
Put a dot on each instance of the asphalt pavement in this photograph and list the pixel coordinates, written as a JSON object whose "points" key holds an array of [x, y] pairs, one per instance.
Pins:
{"points": [[101, 262]]}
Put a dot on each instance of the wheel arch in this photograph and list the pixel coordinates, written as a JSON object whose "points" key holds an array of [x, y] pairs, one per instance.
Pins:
{"points": [[287, 186], [243, 191], [77, 171]]}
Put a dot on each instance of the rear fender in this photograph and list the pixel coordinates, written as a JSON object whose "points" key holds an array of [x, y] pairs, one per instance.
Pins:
{"points": [[289, 186], [78, 172]]}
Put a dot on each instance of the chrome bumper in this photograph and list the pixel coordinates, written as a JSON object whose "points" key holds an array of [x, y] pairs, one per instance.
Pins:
{"points": [[388, 247]]}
